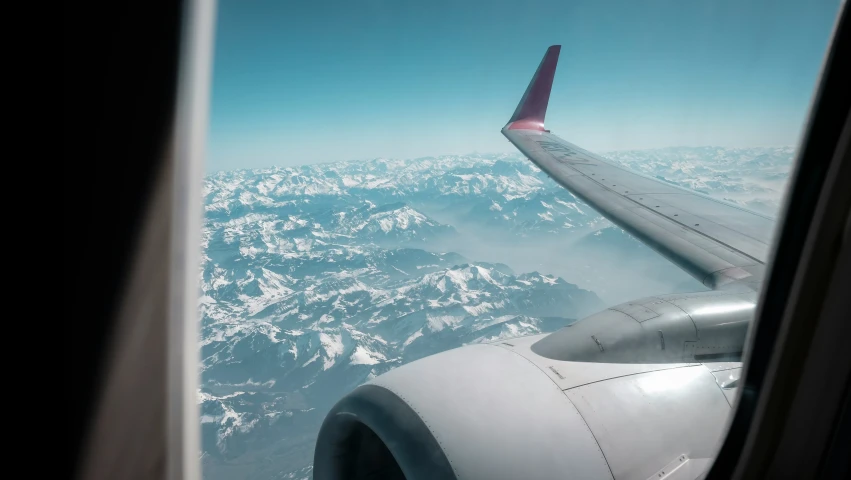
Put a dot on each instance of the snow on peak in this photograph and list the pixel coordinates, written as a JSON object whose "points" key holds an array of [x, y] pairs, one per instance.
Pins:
{"points": [[364, 356], [333, 345]]}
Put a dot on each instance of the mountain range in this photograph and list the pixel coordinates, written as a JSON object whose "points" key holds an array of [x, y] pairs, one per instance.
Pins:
{"points": [[317, 278]]}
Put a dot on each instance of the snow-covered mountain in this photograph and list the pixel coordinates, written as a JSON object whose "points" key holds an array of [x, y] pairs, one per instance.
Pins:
{"points": [[317, 278]]}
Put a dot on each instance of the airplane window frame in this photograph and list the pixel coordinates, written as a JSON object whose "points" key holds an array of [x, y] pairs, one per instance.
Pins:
{"points": [[801, 243]]}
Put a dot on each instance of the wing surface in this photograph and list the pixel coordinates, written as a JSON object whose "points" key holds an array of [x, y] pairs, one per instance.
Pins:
{"points": [[718, 243]]}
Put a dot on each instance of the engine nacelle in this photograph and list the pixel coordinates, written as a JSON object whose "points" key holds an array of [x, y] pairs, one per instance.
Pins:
{"points": [[607, 397], [476, 412], [703, 327]]}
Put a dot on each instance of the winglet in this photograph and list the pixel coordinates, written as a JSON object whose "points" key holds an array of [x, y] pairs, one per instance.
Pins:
{"points": [[532, 108]]}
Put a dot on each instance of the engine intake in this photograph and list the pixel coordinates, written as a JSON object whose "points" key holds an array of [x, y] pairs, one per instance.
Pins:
{"points": [[475, 412], [354, 440]]}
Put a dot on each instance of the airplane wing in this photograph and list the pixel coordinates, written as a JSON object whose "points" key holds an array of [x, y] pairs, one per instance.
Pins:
{"points": [[718, 243]]}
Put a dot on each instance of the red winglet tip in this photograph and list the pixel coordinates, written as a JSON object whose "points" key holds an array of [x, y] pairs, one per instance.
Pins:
{"points": [[526, 125], [532, 108]]}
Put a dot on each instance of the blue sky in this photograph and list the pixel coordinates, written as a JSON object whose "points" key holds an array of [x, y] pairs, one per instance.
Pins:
{"points": [[309, 82]]}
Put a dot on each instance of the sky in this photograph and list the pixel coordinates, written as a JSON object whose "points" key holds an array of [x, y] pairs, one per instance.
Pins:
{"points": [[310, 82]]}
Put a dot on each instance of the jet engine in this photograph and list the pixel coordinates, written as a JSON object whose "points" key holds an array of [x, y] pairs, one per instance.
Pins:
{"points": [[572, 404]]}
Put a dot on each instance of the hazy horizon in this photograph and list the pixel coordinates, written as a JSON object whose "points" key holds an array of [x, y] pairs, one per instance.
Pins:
{"points": [[384, 79], [514, 153]]}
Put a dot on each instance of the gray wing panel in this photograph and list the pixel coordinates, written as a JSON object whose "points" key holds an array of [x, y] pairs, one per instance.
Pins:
{"points": [[717, 243]]}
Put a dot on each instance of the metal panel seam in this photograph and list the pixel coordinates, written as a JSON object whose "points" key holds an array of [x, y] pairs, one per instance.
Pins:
{"points": [[696, 330], [709, 275], [685, 365], [602, 453], [699, 216], [609, 163], [719, 386], [699, 233], [688, 240], [644, 208], [637, 232]]}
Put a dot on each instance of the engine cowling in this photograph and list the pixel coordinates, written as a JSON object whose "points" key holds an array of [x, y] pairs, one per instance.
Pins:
{"points": [[475, 412], [572, 404], [702, 326]]}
